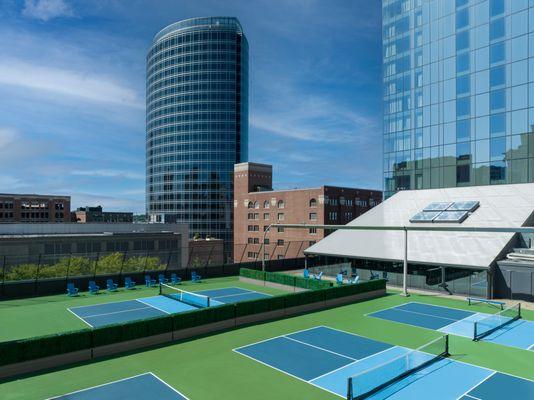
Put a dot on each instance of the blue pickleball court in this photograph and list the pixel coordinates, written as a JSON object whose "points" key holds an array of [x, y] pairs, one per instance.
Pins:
{"points": [[131, 310], [519, 333], [325, 357]]}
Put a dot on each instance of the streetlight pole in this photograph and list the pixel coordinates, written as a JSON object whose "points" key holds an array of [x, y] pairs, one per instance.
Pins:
{"points": [[405, 265], [263, 244]]}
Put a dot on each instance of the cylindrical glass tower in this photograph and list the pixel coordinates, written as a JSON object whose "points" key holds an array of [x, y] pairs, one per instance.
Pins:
{"points": [[197, 123]]}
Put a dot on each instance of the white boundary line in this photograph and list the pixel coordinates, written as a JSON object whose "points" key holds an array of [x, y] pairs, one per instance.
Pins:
{"points": [[473, 387], [148, 304], [275, 337], [320, 348], [169, 386], [358, 360], [285, 372], [531, 346], [77, 316], [117, 312], [97, 386], [106, 302]]}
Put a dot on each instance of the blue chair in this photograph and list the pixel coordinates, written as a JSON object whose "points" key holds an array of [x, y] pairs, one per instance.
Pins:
{"points": [[162, 279], [71, 290], [175, 279], [353, 280], [339, 279], [318, 276], [149, 282], [374, 276], [306, 273], [128, 283], [111, 286], [93, 287], [195, 278]]}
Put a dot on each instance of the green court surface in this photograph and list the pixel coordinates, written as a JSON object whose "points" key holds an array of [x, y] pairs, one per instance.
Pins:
{"points": [[36, 316], [207, 368]]}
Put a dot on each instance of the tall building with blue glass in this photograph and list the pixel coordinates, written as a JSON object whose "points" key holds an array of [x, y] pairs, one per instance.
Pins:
{"points": [[458, 89], [196, 123]]}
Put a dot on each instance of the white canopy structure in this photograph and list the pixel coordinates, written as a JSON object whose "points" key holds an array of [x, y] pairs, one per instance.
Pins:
{"points": [[510, 206]]}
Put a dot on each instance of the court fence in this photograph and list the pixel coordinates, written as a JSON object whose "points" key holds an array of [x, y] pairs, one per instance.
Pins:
{"points": [[46, 276], [18, 356]]}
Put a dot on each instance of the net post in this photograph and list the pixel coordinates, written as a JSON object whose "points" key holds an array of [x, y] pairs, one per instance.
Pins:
{"points": [[349, 388], [160, 289], [447, 353], [519, 309], [208, 300], [475, 331]]}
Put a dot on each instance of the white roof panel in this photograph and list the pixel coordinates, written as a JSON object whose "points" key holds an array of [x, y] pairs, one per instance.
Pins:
{"points": [[500, 206]]}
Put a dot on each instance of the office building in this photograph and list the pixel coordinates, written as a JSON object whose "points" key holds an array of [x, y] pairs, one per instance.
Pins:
{"points": [[457, 88], [34, 208], [197, 123], [257, 205], [96, 214]]}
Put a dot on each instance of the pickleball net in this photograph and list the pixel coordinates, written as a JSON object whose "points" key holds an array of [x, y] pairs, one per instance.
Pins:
{"points": [[379, 377]]}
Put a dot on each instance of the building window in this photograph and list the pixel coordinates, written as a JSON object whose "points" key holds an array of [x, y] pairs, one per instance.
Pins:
{"points": [[250, 240], [265, 228], [313, 203], [281, 204], [280, 242], [250, 216], [266, 241], [250, 204], [265, 256], [313, 216], [280, 257], [266, 204], [312, 231], [253, 228], [256, 205], [266, 216], [280, 229], [280, 216]]}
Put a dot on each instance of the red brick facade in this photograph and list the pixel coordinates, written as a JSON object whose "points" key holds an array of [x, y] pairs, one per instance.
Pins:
{"points": [[256, 206]]}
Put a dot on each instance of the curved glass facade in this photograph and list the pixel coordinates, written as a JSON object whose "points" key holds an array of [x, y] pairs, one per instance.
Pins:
{"points": [[197, 123], [458, 93]]}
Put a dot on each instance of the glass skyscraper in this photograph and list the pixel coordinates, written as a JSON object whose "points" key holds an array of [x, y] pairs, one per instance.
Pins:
{"points": [[196, 123], [458, 89]]}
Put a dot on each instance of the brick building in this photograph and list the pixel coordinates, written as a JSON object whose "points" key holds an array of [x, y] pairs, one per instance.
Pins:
{"points": [[96, 214], [34, 208], [257, 205]]}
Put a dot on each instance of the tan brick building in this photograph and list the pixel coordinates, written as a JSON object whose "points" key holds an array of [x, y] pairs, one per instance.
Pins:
{"points": [[34, 208], [257, 205]]}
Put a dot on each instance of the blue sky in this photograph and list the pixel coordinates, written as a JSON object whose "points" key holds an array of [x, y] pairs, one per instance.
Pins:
{"points": [[72, 87]]}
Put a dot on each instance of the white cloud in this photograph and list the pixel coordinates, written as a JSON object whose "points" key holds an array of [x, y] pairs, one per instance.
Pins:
{"points": [[64, 82], [7, 136], [45, 10], [108, 173]]}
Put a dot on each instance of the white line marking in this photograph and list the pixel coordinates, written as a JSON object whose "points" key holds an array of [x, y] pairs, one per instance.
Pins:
{"points": [[478, 384], [472, 397], [169, 386], [97, 386], [116, 312], [157, 308], [73, 313], [285, 372], [240, 294], [428, 315], [320, 348], [107, 302], [275, 337], [356, 362], [531, 346]]}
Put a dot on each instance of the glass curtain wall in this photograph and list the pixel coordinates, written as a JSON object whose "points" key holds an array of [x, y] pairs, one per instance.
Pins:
{"points": [[458, 90]]}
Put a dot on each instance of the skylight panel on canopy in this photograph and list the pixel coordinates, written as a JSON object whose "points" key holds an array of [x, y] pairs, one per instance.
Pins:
{"points": [[438, 206], [446, 211], [425, 216], [451, 216], [469, 206]]}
